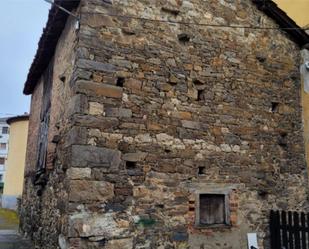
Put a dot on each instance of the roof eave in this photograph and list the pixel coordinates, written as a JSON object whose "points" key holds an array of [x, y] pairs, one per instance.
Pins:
{"points": [[48, 42], [271, 9]]}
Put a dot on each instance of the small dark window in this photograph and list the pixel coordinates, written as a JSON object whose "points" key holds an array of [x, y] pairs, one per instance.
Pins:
{"points": [[120, 81], [1, 178], [130, 165], [184, 38], [200, 95], [201, 170], [63, 79], [274, 106], [5, 130], [2, 160], [3, 146], [212, 209]]}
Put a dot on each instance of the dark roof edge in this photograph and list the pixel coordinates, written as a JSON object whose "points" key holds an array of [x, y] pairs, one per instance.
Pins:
{"points": [[10, 120], [48, 42], [271, 9]]}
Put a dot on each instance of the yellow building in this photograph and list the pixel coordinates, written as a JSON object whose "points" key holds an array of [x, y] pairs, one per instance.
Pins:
{"points": [[298, 10], [14, 176]]}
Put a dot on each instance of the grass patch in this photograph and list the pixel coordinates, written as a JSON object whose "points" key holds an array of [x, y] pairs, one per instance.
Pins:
{"points": [[8, 219]]}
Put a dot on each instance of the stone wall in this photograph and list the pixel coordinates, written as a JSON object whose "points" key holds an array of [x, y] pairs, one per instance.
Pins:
{"points": [[160, 112]]}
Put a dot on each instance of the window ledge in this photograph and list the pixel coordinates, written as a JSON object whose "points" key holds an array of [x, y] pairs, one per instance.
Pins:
{"points": [[214, 226]]}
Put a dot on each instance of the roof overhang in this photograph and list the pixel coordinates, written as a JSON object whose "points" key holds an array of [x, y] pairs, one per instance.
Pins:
{"points": [[17, 118], [48, 42]]}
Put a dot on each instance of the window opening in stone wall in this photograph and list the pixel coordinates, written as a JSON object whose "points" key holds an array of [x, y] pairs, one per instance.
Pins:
{"points": [[200, 95], [274, 107], [283, 139], [184, 38], [202, 170], [5, 130], [120, 81], [3, 146], [2, 160], [212, 209], [130, 165]]}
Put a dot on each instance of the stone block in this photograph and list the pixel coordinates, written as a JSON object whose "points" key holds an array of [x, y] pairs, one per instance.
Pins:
{"points": [[95, 65], [118, 112], [79, 173], [126, 243], [133, 84], [96, 108], [92, 156], [90, 121], [134, 157], [98, 89], [76, 135], [84, 191], [191, 124], [94, 225]]}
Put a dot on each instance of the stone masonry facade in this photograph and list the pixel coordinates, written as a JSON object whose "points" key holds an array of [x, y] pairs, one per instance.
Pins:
{"points": [[147, 116]]}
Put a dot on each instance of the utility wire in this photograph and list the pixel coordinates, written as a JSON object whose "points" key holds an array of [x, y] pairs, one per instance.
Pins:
{"points": [[193, 23], [174, 22]]}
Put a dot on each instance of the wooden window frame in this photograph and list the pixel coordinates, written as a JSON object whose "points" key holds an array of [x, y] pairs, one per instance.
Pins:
{"points": [[225, 193]]}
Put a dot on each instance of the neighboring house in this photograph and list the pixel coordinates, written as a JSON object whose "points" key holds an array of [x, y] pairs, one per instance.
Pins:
{"points": [[4, 138], [297, 10], [148, 131], [14, 176]]}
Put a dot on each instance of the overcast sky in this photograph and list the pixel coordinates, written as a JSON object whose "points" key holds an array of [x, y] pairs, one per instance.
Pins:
{"points": [[22, 22]]}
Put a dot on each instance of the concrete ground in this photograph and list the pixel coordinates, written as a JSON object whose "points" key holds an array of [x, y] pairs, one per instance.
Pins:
{"points": [[9, 236], [10, 239]]}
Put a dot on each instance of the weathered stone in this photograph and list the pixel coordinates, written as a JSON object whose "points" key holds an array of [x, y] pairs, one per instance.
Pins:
{"points": [[95, 65], [191, 124], [79, 173], [96, 121], [98, 89], [134, 157], [91, 156], [95, 108], [83, 191], [93, 225], [133, 84], [120, 244], [118, 112]]}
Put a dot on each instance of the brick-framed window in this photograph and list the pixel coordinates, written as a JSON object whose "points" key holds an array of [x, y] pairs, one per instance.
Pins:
{"points": [[212, 209], [2, 160]]}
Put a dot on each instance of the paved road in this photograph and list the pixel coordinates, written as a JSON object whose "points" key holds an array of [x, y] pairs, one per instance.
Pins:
{"points": [[10, 239]]}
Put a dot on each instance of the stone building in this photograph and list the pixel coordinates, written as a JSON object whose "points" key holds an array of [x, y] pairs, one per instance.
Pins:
{"points": [[159, 124]]}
